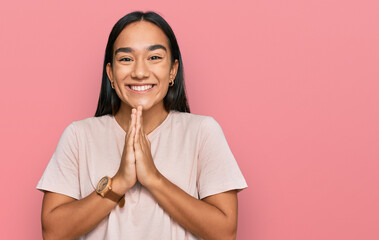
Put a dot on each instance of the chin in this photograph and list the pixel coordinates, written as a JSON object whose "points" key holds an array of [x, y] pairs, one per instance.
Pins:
{"points": [[145, 105]]}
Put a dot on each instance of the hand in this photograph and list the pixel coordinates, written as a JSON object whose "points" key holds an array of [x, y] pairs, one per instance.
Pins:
{"points": [[126, 174], [147, 173]]}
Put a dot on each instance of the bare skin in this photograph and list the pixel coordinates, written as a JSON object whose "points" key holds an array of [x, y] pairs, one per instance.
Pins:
{"points": [[214, 217]]}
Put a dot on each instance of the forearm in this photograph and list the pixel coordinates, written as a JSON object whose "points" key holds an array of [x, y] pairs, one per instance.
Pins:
{"points": [[197, 216], [75, 218]]}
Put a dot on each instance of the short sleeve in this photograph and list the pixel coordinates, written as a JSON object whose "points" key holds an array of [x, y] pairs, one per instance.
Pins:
{"points": [[218, 170], [62, 174]]}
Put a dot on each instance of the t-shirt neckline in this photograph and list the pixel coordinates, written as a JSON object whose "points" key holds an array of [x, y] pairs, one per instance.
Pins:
{"points": [[152, 133]]}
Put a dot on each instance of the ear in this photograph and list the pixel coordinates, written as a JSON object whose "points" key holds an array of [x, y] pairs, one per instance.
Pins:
{"points": [[174, 70], [108, 68]]}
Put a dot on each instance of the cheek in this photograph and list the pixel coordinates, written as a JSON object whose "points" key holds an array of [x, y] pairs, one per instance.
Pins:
{"points": [[162, 69], [163, 74], [120, 72]]}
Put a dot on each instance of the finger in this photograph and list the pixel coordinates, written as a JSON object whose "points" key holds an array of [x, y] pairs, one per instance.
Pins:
{"points": [[132, 124], [131, 135], [131, 120], [138, 129], [141, 119], [130, 140], [143, 144], [141, 139], [139, 114], [137, 146]]}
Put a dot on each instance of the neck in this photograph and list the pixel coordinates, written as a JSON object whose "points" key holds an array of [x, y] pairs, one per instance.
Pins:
{"points": [[152, 117]]}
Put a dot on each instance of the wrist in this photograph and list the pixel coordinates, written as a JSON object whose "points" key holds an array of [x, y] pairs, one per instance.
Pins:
{"points": [[118, 185], [155, 182], [104, 189]]}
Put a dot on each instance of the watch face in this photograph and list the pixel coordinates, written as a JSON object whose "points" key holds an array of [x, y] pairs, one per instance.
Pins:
{"points": [[102, 184]]}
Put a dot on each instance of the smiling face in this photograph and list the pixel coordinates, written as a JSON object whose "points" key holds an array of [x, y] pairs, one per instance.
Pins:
{"points": [[142, 69]]}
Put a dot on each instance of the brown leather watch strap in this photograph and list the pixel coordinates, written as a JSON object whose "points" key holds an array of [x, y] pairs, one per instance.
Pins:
{"points": [[115, 197]]}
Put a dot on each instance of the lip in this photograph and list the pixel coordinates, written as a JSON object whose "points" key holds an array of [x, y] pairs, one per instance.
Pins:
{"points": [[140, 92]]}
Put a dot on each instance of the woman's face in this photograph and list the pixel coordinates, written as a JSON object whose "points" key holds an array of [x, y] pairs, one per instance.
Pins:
{"points": [[142, 69]]}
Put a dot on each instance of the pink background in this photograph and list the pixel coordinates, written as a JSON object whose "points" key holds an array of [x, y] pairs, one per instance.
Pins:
{"points": [[293, 83]]}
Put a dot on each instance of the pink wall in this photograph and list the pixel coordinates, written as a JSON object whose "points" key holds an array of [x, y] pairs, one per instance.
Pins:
{"points": [[294, 84]]}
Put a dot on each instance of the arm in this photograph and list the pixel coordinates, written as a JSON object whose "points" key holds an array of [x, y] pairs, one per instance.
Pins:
{"points": [[214, 217], [64, 217]]}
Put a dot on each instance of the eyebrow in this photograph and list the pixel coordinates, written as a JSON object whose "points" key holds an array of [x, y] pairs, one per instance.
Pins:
{"points": [[149, 48]]}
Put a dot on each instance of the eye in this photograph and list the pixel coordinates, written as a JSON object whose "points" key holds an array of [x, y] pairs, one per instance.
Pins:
{"points": [[155, 57], [125, 59]]}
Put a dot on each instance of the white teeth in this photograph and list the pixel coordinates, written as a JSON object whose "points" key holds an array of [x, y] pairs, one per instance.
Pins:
{"points": [[141, 88]]}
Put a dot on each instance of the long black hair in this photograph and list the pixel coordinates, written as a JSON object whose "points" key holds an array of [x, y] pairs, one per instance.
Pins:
{"points": [[176, 99]]}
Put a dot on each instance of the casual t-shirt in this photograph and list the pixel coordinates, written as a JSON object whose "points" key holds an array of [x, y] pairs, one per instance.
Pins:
{"points": [[189, 150]]}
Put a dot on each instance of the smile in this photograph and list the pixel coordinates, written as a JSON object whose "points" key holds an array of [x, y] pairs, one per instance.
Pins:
{"points": [[141, 88]]}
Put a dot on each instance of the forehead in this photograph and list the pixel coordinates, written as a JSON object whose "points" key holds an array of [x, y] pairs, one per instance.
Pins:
{"points": [[139, 35]]}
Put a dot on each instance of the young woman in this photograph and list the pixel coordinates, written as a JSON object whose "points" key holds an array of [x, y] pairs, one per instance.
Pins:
{"points": [[143, 167]]}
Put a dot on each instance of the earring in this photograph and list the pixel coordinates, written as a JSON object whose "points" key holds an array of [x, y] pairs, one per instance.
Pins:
{"points": [[171, 83], [112, 83]]}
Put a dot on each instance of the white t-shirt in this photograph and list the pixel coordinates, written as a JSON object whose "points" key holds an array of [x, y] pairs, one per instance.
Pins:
{"points": [[189, 150]]}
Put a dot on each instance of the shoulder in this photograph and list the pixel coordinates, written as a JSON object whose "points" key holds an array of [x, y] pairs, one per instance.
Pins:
{"points": [[192, 119], [92, 122], [91, 125], [204, 125]]}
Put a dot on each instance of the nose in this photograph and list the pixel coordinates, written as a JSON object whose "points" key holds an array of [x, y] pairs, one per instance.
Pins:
{"points": [[140, 70]]}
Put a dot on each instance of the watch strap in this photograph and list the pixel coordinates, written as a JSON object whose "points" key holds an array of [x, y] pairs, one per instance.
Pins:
{"points": [[115, 197], [108, 193]]}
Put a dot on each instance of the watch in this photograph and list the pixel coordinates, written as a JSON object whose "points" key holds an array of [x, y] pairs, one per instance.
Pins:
{"points": [[104, 189]]}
